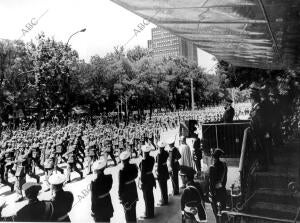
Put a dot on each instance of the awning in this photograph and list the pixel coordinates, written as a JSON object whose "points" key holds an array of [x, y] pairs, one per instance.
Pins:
{"points": [[252, 33]]}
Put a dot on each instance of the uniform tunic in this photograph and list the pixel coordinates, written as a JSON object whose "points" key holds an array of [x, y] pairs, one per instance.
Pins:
{"points": [[128, 191], [62, 203], [148, 182], [163, 174], [102, 209]]}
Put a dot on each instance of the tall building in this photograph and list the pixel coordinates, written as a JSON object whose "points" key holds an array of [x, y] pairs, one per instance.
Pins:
{"points": [[165, 44]]}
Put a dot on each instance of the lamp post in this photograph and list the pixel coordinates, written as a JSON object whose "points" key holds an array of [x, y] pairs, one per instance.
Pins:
{"points": [[80, 31], [68, 79], [192, 94]]}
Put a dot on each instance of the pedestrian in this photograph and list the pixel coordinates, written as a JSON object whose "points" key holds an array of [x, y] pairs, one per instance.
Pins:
{"points": [[62, 200], [217, 182], [102, 208], [127, 186], [147, 181]]}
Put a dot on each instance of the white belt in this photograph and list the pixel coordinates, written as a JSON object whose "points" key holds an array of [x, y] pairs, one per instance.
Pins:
{"points": [[62, 217], [130, 182], [103, 196]]}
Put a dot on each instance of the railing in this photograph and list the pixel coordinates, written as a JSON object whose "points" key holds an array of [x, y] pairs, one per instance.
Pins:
{"points": [[247, 165], [227, 136]]}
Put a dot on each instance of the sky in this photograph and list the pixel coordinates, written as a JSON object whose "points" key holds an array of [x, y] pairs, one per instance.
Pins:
{"points": [[107, 25]]}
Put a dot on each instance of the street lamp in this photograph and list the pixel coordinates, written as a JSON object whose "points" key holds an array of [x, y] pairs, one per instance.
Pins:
{"points": [[80, 31]]}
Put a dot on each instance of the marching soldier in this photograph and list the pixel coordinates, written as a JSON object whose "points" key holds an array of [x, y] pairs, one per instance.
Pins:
{"points": [[48, 160], [174, 156], [162, 173], [110, 150], [147, 181], [102, 208], [36, 156], [62, 200], [127, 187], [192, 199], [71, 162], [217, 181], [21, 168], [90, 156], [3, 177]]}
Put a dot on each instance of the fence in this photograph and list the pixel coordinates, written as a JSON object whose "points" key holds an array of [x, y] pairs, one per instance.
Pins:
{"points": [[227, 136]]}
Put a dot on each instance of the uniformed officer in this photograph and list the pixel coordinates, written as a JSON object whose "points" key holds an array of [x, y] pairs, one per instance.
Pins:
{"points": [[162, 173], [229, 112], [259, 128], [102, 209], [147, 181], [197, 155], [34, 210], [127, 187], [192, 199], [62, 200], [173, 165], [217, 181]]}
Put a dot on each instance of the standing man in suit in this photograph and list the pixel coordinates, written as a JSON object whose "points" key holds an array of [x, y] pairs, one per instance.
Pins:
{"points": [[174, 156], [102, 208], [148, 181], [127, 186], [162, 173]]}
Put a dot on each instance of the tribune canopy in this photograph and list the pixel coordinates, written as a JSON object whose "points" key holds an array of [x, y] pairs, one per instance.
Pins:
{"points": [[252, 33]]}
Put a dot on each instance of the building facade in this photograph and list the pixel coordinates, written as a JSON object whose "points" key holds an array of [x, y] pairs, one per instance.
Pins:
{"points": [[165, 44]]}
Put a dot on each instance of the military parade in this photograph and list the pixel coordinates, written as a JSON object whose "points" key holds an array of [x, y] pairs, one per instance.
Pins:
{"points": [[150, 111]]}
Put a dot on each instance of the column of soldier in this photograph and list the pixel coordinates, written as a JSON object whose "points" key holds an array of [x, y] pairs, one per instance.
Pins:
{"points": [[24, 152]]}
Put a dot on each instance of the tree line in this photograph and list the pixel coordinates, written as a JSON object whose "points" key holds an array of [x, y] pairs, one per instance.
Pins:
{"points": [[45, 78]]}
